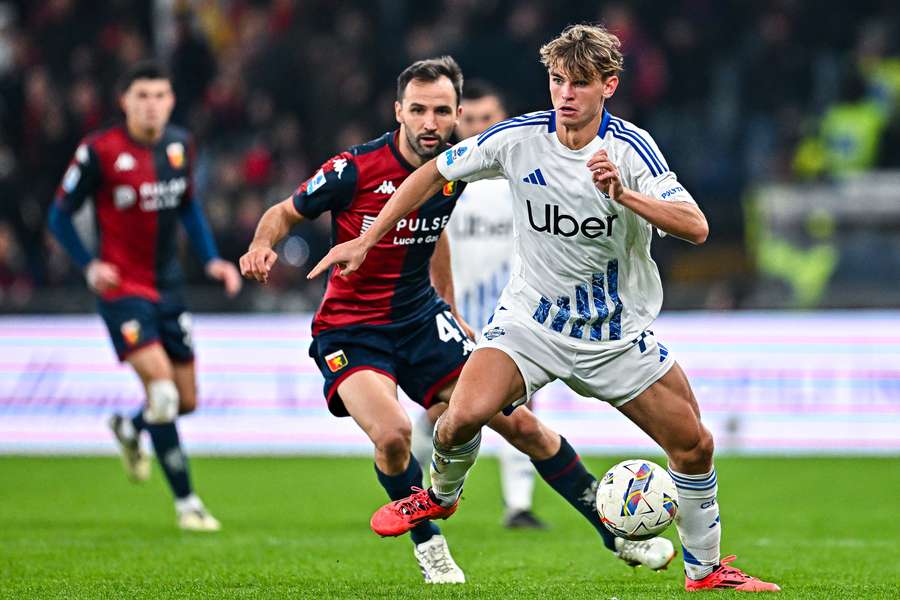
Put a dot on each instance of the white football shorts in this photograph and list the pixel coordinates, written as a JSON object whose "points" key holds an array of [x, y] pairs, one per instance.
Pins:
{"points": [[613, 374]]}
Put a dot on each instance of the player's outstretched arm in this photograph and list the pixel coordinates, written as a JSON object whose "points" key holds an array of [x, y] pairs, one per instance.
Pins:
{"points": [[442, 280], [273, 226], [425, 182], [684, 220]]}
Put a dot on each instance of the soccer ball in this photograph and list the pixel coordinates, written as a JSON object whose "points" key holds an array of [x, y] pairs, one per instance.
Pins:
{"points": [[637, 499]]}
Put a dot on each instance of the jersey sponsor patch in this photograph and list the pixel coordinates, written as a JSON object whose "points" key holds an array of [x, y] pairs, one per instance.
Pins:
{"points": [[131, 331], [315, 182], [336, 361], [494, 332], [175, 153]]}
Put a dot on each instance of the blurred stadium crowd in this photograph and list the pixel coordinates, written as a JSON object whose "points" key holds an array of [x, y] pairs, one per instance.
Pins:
{"points": [[735, 93]]}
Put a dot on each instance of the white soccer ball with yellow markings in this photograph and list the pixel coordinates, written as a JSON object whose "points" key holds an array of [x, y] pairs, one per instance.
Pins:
{"points": [[637, 499]]}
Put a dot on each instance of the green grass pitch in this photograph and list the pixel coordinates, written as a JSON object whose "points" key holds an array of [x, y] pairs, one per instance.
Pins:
{"points": [[298, 528]]}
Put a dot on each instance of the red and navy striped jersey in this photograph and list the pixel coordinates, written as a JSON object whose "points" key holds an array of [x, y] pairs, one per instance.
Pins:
{"points": [[393, 285], [138, 191]]}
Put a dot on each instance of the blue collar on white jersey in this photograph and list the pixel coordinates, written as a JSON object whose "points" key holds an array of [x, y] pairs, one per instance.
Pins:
{"points": [[604, 123]]}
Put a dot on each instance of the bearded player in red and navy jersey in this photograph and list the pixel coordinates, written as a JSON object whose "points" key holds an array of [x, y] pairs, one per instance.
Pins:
{"points": [[139, 177], [387, 326]]}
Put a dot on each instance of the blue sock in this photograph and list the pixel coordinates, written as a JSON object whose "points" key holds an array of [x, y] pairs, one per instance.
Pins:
{"points": [[397, 487], [566, 474], [171, 457]]}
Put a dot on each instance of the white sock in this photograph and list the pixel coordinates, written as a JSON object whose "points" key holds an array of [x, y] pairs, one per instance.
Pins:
{"points": [[189, 502], [449, 467], [698, 522], [422, 432], [126, 428], [516, 479]]}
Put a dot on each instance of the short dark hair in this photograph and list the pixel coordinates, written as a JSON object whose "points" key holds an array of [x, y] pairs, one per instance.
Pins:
{"points": [[476, 89], [145, 69], [431, 69]]}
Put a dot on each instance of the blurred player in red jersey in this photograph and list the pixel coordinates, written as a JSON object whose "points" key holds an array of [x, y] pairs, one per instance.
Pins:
{"points": [[139, 176]]}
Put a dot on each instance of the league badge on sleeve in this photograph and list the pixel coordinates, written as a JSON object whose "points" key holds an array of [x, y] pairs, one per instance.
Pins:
{"points": [[315, 182], [175, 153], [336, 361]]}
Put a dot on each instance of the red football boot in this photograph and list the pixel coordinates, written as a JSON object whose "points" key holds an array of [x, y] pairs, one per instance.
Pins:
{"points": [[725, 577], [400, 516]]}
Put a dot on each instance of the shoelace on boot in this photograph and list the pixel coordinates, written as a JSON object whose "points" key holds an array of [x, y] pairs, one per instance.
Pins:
{"points": [[414, 503]]}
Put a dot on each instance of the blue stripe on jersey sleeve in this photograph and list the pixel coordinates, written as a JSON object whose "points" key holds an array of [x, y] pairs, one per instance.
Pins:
{"points": [[520, 119], [637, 149], [625, 130], [542, 123]]}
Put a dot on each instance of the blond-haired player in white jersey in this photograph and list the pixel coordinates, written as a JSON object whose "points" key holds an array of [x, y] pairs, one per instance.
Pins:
{"points": [[480, 233], [589, 191]]}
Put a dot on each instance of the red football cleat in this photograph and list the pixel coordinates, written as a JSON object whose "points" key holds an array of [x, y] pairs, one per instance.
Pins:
{"points": [[400, 516], [725, 577]]}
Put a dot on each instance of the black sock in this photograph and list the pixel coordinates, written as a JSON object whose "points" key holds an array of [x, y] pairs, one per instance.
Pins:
{"points": [[566, 474], [171, 458], [138, 421], [397, 487]]}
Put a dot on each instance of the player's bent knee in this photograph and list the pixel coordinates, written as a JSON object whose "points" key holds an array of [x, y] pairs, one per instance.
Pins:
{"points": [[394, 442], [454, 428], [162, 401]]}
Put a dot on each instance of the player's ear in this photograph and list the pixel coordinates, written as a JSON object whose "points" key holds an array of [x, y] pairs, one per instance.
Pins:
{"points": [[398, 109], [609, 86]]}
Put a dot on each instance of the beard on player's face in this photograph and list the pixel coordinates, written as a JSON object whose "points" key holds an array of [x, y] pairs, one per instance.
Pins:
{"points": [[415, 142]]}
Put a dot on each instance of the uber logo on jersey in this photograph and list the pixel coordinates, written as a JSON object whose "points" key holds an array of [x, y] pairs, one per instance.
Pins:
{"points": [[124, 196], [567, 226]]}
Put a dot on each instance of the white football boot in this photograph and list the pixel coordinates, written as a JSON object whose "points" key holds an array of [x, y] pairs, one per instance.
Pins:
{"points": [[436, 563], [134, 459], [655, 553], [193, 516]]}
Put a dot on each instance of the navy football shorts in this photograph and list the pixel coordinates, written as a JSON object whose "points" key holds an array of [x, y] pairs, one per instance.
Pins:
{"points": [[422, 357], [134, 323]]}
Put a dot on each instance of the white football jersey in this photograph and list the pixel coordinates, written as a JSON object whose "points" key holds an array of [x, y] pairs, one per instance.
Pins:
{"points": [[584, 268], [481, 247]]}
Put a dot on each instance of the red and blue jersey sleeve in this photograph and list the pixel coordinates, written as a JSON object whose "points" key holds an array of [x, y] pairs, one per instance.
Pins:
{"points": [[332, 188], [81, 180]]}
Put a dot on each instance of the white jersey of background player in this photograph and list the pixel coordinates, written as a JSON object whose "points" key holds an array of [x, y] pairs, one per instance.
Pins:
{"points": [[588, 189], [480, 233]]}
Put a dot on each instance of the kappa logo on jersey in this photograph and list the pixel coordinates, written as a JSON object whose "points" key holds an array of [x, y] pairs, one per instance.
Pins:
{"points": [[559, 223], [175, 152], [386, 187], [453, 153], [131, 331], [339, 164], [124, 162], [367, 221], [336, 361], [535, 177], [315, 182]]}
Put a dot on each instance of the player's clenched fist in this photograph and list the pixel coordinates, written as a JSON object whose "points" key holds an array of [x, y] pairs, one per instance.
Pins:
{"points": [[257, 263], [606, 175]]}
